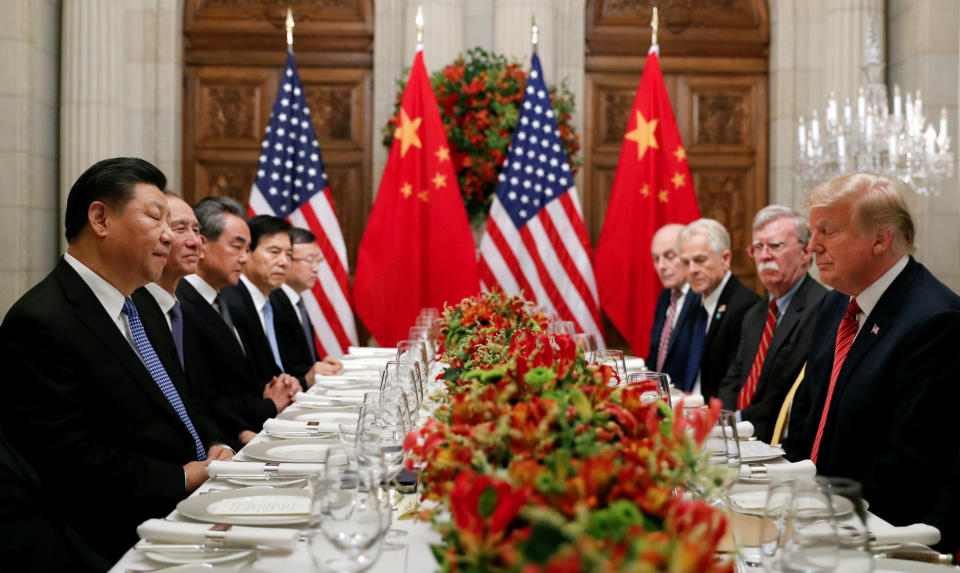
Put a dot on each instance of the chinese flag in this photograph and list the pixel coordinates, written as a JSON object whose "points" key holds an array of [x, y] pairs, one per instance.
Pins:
{"points": [[652, 187], [417, 250]]}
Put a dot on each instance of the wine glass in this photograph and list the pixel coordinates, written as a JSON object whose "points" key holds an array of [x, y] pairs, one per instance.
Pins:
{"points": [[405, 375], [423, 333], [414, 351], [563, 327], [346, 515], [753, 530], [850, 514], [587, 343], [614, 359], [723, 449], [658, 383], [807, 529]]}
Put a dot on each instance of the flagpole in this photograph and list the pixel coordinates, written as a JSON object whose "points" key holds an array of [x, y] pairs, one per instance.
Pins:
{"points": [[534, 32], [290, 29], [655, 30], [419, 22]]}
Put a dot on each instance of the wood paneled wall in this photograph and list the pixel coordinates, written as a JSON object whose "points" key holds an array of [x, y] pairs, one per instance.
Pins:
{"points": [[714, 56], [234, 56]]}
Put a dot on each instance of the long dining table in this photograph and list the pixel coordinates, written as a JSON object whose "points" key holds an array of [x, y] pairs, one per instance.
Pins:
{"points": [[411, 552]]}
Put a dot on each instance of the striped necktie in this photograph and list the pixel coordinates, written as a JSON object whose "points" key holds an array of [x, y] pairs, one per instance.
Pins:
{"points": [[750, 387], [159, 374], [845, 335], [667, 329]]}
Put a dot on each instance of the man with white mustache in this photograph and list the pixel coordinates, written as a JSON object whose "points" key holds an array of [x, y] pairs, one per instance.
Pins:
{"points": [[776, 332]]}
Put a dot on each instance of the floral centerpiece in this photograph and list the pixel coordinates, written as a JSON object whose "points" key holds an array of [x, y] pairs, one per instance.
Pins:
{"points": [[542, 466], [479, 96]]}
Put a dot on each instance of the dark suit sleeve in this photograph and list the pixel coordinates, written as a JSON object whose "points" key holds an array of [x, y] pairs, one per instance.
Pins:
{"points": [[923, 423], [48, 389], [731, 383]]}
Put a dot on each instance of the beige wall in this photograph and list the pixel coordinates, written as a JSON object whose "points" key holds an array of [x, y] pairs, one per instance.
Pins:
{"points": [[29, 83]]}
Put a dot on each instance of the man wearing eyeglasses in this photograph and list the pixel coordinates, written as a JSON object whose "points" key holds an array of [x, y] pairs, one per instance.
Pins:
{"points": [[295, 332], [776, 332]]}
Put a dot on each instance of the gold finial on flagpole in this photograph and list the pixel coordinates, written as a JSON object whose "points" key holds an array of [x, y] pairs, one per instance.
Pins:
{"points": [[534, 32], [419, 22], [655, 26], [289, 28]]}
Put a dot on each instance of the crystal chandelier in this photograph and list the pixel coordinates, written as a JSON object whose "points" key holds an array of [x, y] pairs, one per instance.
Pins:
{"points": [[899, 144]]}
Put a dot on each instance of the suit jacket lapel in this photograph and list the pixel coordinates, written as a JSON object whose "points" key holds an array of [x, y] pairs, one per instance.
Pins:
{"points": [[880, 317], [92, 314], [691, 301], [790, 320], [718, 315]]}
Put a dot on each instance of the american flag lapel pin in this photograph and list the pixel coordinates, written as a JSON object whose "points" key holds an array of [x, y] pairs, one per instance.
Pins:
{"points": [[875, 329]]}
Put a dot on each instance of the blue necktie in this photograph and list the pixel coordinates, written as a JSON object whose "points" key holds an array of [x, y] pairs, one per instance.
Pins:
{"points": [[159, 374], [696, 347], [271, 334], [176, 329]]}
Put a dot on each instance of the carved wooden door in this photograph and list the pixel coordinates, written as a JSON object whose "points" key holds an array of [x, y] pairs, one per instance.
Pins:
{"points": [[714, 59], [234, 55]]}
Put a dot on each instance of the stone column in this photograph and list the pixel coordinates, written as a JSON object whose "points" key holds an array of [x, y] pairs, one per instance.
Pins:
{"points": [[511, 32], [847, 22], [29, 84], [93, 92], [443, 38], [924, 46]]}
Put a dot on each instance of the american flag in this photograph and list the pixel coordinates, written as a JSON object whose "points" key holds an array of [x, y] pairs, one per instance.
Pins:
{"points": [[292, 183], [535, 240]]}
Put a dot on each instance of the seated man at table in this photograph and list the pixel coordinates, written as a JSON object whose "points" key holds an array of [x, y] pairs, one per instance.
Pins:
{"points": [[878, 403], [673, 318], [705, 252], [295, 333], [775, 335], [113, 436], [219, 367]]}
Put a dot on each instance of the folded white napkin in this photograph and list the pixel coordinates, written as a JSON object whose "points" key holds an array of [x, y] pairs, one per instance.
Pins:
{"points": [[690, 400], [801, 469], [363, 364], [315, 400], [275, 426], [634, 363], [365, 351], [744, 430], [256, 469], [916, 533], [162, 531]]}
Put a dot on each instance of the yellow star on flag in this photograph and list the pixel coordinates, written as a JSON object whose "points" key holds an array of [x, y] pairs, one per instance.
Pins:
{"points": [[423, 195], [678, 180], [443, 154], [406, 190], [680, 153], [643, 135], [407, 132], [662, 195], [645, 190], [439, 180]]}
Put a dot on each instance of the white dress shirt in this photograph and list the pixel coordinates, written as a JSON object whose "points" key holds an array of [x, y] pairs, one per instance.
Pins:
{"points": [[164, 299], [203, 288], [259, 299], [870, 296], [110, 298]]}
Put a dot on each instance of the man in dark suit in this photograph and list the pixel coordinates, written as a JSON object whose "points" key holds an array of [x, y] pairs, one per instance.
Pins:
{"points": [[113, 436], [673, 318], [218, 365], [775, 335], [295, 333], [705, 252], [879, 399]]}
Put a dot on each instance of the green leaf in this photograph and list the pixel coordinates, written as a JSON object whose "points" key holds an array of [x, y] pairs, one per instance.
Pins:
{"points": [[544, 541], [439, 551], [451, 374], [487, 503]]}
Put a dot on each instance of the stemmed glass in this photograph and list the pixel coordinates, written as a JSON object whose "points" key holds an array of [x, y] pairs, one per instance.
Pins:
{"points": [[613, 359], [587, 343], [659, 383], [850, 514], [563, 327], [350, 517], [404, 375], [723, 448], [423, 333]]}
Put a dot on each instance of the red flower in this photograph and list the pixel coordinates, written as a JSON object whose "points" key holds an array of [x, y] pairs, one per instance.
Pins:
{"points": [[483, 508]]}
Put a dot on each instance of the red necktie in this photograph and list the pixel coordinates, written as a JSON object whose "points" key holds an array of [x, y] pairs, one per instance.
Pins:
{"points": [[845, 335], [667, 329], [750, 388]]}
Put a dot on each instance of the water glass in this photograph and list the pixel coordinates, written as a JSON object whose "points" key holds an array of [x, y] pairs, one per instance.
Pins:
{"points": [[613, 359], [658, 383], [850, 514], [807, 530]]}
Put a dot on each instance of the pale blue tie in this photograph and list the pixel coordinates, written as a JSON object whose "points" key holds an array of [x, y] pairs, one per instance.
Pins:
{"points": [[271, 334], [159, 373]]}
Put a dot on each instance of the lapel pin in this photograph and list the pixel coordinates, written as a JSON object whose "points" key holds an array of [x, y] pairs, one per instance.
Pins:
{"points": [[875, 329]]}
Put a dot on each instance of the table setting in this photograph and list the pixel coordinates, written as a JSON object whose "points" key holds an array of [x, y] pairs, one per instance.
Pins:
{"points": [[319, 488]]}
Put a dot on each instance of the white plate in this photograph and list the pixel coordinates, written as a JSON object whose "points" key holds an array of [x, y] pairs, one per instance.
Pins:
{"points": [[902, 566], [312, 450], [196, 507], [754, 502], [199, 561]]}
